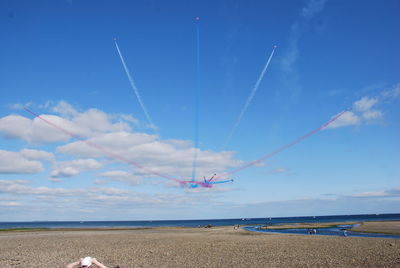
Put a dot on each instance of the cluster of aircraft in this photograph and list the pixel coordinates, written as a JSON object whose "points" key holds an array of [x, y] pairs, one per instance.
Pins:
{"points": [[206, 183]]}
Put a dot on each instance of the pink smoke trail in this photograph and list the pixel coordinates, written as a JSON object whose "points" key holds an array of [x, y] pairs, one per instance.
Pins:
{"points": [[102, 149], [284, 147]]}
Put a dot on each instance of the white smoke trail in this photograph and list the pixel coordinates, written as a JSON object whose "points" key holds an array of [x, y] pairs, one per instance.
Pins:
{"points": [[135, 89], [249, 99]]}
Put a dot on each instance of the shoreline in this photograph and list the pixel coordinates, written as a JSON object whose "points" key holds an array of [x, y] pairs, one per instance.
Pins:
{"points": [[379, 227]]}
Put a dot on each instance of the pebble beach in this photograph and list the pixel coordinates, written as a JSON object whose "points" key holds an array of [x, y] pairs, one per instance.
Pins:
{"points": [[193, 247]]}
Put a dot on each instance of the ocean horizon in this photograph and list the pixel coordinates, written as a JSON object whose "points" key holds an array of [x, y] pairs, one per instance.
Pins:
{"points": [[196, 223]]}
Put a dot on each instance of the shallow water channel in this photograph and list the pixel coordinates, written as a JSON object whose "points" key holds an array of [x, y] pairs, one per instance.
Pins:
{"points": [[339, 230]]}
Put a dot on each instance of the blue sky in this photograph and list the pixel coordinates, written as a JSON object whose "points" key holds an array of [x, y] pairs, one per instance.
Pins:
{"points": [[59, 59]]}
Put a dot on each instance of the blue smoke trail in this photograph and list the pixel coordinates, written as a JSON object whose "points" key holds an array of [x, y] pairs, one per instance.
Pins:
{"points": [[249, 99], [135, 89], [219, 182], [197, 100]]}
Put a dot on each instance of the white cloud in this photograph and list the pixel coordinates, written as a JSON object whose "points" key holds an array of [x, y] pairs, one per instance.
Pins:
{"points": [[34, 131], [347, 119], [180, 143], [19, 106], [280, 170], [122, 176], [17, 162], [208, 191], [307, 13], [20, 187], [74, 167], [317, 206], [85, 124], [127, 118], [9, 204], [394, 192], [363, 112], [370, 194], [366, 109], [46, 105], [32, 154], [15, 126], [156, 155], [92, 203], [108, 191], [364, 104], [62, 172], [64, 108], [260, 164], [393, 93], [112, 142], [98, 121], [55, 179], [372, 115], [313, 7], [109, 136], [92, 198]]}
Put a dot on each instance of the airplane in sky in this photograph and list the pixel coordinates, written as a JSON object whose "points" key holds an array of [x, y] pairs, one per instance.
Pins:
{"points": [[206, 183]]}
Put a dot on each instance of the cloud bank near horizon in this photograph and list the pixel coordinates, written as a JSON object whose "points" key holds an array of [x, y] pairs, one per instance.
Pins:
{"points": [[93, 202]]}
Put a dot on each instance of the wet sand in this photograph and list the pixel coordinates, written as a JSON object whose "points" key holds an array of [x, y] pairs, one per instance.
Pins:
{"points": [[386, 227], [194, 247]]}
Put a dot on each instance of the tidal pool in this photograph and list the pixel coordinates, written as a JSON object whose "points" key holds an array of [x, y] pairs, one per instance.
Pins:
{"points": [[339, 230]]}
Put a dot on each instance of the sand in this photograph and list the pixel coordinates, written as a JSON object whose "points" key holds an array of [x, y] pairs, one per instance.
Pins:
{"points": [[386, 227], [194, 247]]}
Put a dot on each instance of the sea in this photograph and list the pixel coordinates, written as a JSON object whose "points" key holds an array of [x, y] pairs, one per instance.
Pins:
{"points": [[197, 223]]}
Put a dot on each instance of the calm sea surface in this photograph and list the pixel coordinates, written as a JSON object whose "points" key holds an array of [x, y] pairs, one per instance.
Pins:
{"points": [[196, 223]]}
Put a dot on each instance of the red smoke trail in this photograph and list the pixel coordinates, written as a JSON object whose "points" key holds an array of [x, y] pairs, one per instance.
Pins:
{"points": [[102, 149], [284, 147]]}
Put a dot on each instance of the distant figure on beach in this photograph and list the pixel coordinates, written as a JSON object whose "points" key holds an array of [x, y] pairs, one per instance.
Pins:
{"points": [[85, 263], [312, 231], [344, 233]]}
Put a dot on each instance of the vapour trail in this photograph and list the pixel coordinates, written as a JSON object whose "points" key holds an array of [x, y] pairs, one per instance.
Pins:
{"points": [[135, 89], [249, 99], [197, 100], [102, 149], [284, 147]]}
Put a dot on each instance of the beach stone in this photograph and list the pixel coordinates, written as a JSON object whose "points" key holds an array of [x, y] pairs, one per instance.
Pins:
{"points": [[194, 247]]}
